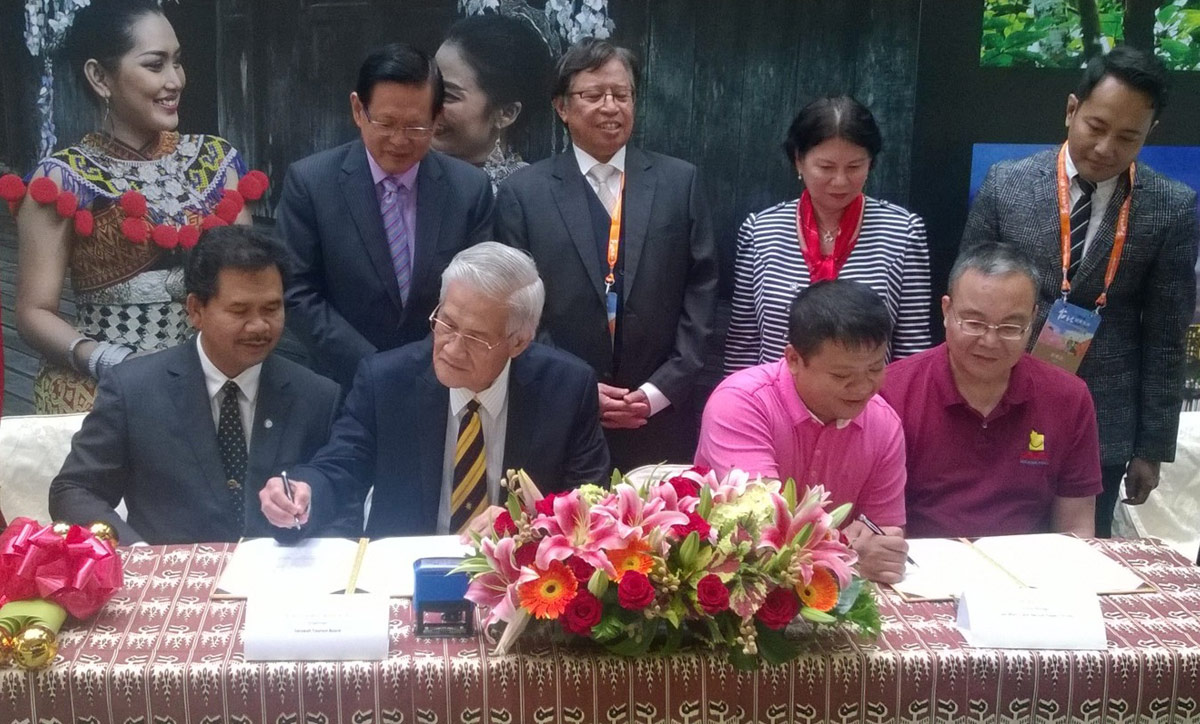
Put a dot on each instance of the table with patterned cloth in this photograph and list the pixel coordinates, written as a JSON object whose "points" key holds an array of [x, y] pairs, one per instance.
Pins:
{"points": [[161, 651]]}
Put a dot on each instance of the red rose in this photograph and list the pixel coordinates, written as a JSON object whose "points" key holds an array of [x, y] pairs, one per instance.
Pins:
{"points": [[582, 613], [545, 506], [701, 470], [85, 223], [12, 188], [581, 568], [136, 230], [684, 487], [65, 204], [188, 236], [696, 522], [525, 554], [503, 524], [712, 595], [779, 609], [166, 236], [43, 190], [635, 591], [133, 204]]}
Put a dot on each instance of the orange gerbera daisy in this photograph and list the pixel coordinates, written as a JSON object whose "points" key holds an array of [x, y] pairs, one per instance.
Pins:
{"points": [[821, 592], [633, 557], [547, 596]]}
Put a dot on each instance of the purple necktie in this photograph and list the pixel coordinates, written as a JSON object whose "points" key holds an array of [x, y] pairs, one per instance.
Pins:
{"points": [[397, 234]]}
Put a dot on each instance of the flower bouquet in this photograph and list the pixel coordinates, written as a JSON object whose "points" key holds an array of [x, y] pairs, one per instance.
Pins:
{"points": [[730, 563]]}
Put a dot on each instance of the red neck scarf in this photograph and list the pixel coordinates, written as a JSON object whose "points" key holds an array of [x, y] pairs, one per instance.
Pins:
{"points": [[820, 266]]}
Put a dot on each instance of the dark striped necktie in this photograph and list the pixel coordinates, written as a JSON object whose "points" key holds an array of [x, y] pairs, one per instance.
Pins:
{"points": [[468, 493], [231, 441], [1081, 213]]}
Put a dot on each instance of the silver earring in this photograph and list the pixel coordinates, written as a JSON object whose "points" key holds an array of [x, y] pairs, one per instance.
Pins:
{"points": [[106, 112], [799, 176]]}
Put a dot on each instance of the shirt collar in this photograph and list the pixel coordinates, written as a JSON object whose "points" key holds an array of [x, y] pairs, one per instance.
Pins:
{"points": [[215, 379], [1072, 172], [408, 179], [492, 399], [796, 409], [1020, 387], [586, 160]]}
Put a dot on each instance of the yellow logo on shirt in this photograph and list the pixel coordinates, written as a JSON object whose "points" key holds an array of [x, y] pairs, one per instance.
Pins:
{"points": [[1037, 441]]}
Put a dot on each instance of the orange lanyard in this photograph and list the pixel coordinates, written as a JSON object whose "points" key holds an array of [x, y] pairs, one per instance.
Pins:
{"points": [[614, 238], [1064, 226]]}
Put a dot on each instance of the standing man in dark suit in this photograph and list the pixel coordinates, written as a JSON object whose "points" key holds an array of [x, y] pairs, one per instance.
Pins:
{"points": [[434, 425], [188, 436], [624, 242], [372, 223], [1069, 210]]}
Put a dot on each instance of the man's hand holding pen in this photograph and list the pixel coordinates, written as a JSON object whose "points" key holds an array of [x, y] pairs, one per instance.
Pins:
{"points": [[281, 509]]}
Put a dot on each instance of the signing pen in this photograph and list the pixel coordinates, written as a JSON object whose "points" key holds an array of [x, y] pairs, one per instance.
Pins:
{"points": [[287, 490], [879, 531]]}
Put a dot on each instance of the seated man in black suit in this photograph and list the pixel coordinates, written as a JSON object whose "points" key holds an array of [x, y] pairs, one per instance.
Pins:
{"points": [[435, 424], [372, 223], [188, 436]]}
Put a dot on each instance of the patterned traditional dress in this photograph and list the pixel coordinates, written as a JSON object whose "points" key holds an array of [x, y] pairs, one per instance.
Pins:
{"points": [[130, 292]]}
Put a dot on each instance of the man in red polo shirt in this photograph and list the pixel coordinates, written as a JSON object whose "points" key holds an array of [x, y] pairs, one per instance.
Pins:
{"points": [[998, 442]]}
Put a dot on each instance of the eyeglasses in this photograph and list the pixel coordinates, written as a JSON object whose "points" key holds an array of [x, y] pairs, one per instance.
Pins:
{"points": [[620, 96], [413, 133], [444, 329], [978, 328]]}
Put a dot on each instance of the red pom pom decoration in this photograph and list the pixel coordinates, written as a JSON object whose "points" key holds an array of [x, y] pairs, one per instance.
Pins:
{"points": [[43, 190], [188, 236], [66, 204], [166, 236], [253, 185], [135, 230], [211, 222], [85, 223], [12, 188], [133, 204], [230, 205]]}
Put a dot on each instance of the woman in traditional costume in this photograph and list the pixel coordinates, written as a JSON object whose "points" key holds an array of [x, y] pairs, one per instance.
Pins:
{"points": [[119, 209]]}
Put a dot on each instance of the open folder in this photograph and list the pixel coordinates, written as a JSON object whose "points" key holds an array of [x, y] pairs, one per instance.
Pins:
{"points": [[329, 565], [945, 566]]}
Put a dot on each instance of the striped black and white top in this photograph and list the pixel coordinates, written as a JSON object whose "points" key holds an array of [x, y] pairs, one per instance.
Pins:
{"points": [[891, 257]]}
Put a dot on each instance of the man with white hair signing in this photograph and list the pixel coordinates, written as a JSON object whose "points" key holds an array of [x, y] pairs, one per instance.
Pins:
{"points": [[434, 424]]}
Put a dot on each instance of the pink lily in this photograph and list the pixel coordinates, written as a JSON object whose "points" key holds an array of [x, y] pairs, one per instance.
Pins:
{"points": [[638, 518], [496, 590], [787, 525], [576, 529]]}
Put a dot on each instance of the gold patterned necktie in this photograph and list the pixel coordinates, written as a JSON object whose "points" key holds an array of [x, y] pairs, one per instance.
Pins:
{"points": [[468, 493]]}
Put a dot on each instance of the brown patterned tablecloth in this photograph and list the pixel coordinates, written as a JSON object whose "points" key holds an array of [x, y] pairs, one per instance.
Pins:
{"points": [[161, 651]]}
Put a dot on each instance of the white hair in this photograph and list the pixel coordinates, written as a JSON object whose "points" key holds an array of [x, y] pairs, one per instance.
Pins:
{"points": [[505, 274]]}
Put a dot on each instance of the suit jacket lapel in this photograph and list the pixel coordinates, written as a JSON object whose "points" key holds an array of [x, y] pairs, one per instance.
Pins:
{"points": [[1045, 196], [358, 189], [1096, 259], [194, 417], [270, 414], [638, 201], [435, 402], [518, 432], [431, 194], [570, 196]]}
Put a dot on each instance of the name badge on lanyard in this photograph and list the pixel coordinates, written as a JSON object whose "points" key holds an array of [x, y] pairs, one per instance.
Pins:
{"points": [[1069, 328], [614, 243]]}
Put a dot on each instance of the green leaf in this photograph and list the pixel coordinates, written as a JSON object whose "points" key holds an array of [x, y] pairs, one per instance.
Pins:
{"points": [[598, 584], [704, 507], [688, 551], [865, 613], [802, 537], [812, 614], [1165, 13], [847, 596], [616, 478], [774, 647], [638, 643], [838, 514], [676, 611], [789, 494], [513, 505], [609, 628]]}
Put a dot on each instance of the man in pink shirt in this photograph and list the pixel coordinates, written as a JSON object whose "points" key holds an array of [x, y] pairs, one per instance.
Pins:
{"points": [[813, 416]]}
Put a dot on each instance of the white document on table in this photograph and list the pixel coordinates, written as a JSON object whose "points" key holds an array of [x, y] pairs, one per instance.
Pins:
{"points": [[323, 565], [1031, 618], [946, 567], [316, 627]]}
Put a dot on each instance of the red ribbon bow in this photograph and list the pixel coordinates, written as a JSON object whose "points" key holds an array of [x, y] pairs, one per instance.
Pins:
{"points": [[78, 571]]}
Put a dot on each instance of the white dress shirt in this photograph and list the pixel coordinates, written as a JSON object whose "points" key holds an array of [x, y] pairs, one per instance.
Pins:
{"points": [[493, 415], [247, 382], [658, 401], [1100, 198]]}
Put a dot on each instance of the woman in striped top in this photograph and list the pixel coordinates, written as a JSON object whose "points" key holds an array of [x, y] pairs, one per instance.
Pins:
{"points": [[832, 231]]}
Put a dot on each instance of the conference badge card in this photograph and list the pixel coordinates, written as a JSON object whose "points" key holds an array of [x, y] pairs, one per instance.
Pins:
{"points": [[1066, 336]]}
